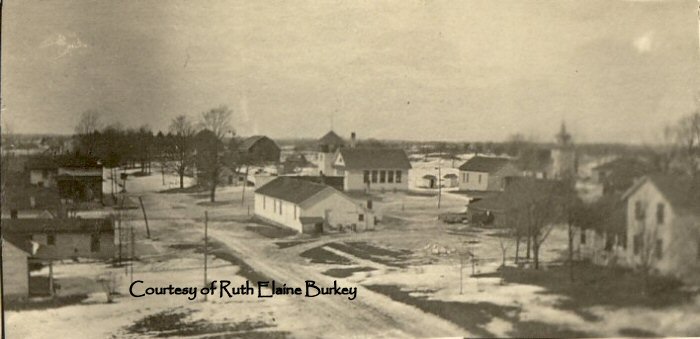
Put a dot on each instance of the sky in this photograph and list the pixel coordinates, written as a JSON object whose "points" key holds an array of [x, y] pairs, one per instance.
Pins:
{"points": [[452, 70]]}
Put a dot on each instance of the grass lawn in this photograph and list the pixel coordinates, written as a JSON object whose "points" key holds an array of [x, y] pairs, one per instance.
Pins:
{"points": [[346, 272], [318, 255], [474, 317], [597, 285], [367, 251]]}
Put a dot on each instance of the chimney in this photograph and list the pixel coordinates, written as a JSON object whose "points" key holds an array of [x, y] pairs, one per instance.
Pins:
{"points": [[352, 139]]}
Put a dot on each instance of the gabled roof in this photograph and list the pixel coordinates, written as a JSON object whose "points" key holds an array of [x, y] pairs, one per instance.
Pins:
{"points": [[622, 164], [291, 189], [41, 163], [484, 164], [374, 158], [250, 141], [67, 225], [495, 203], [682, 192], [20, 242], [331, 139]]}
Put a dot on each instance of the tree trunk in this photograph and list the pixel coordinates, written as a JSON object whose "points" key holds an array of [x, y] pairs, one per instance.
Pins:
{"points": [[212, 192], [529, 242], [571, 253], [182, 179], [536, 254], [517, 249]]}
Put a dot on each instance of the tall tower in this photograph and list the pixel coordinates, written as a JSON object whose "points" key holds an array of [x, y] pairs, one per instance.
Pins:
{"points": [[564, 162], [328, 145]]}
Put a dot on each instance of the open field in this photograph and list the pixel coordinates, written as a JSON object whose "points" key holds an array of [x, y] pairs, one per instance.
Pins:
{"points": [[410, 278]]}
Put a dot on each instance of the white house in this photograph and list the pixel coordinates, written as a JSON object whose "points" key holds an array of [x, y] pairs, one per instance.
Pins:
{"points": [[663, 225], [307, 206], [372, 169], [486, 173]]}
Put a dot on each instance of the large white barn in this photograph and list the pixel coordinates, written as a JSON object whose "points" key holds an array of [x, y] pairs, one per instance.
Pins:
{"points": [[308, 207]]}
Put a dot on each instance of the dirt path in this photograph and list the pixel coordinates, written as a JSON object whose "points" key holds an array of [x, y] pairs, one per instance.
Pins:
{"points": [[370, 315]]}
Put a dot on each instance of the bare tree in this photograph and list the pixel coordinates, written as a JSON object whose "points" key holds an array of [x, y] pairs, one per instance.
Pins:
{"points": [[180, 148], [537, 202], [216, 123], [89, 123], [687, 133]]}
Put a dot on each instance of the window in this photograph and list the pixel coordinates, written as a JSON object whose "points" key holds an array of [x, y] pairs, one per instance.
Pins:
{"points": [[280, 208], [365, 177], [374, 176], [583, 236], [94, 243], [382, 176], [660, 213], [51, 239], [295, 212], [360, 217], [263, 202], [479, 178], [369, 204], [466, 175], [390, 177], [274, 205], [398, 176], [638, 210], [658, 249], [637, 243]]}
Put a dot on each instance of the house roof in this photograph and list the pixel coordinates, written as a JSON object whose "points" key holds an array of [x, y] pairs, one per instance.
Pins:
{"points": [[310, 220], [495, 202], [41, 163], [374, 158], [331, 138], [68, 225], [484, 164], [291, 189], [622, 164], [250, 141], [20, 242], [682, 192]]}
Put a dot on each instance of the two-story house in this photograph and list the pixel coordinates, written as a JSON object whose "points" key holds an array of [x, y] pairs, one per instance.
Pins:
{"points": [[663, 225], [486, 173]]}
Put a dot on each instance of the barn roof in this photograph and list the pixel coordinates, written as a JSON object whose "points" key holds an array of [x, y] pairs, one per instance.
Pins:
{"points": [[331, 138], [68, 225], [250, 141], [291, 189], [484, 164], [374, 158]]}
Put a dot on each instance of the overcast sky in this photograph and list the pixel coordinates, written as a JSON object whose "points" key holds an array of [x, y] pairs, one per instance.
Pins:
{"points": [[422, 70]]}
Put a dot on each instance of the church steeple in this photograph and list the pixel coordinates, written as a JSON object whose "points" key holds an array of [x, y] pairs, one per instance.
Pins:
{"points": [[563, 138]]}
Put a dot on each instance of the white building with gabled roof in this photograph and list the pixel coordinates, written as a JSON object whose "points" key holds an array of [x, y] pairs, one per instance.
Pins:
{"points": [[310, 207]]}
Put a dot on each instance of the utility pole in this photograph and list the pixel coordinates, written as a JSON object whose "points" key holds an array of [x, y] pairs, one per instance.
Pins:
{"points": [[145, 218], [206, 248], [439, 185], [133, 254]]}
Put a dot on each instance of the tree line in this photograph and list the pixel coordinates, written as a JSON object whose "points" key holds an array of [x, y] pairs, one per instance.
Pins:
{"points": [[201, 146]]}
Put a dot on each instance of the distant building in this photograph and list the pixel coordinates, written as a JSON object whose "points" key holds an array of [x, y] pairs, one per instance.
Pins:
{"points": [[663, 225], [486, 173], [42, 171], [66, 238], [328, 146], [618, 175], [372, 168], [260, 149], [309, 207], [80, 179], [564, 161]]}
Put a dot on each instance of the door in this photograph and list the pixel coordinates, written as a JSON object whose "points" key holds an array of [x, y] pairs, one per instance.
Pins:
{"points": [[318, 227]]}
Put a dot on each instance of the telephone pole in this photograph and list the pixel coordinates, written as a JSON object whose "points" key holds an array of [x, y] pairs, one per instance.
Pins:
{"points": [[206, 248]]}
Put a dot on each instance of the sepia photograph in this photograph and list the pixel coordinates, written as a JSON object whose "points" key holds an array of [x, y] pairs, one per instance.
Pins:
{"points": [[350, 168]]}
